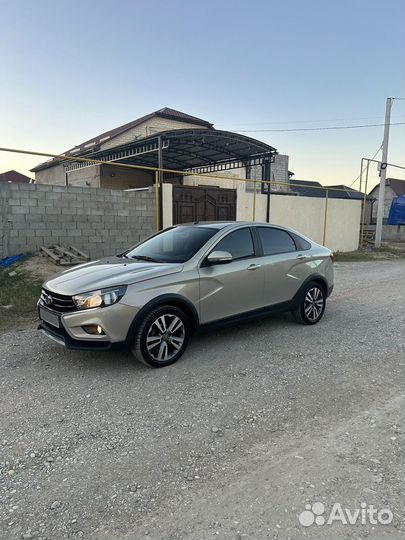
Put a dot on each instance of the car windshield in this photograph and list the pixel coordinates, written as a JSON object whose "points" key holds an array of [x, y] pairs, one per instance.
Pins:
{"points": [[174, 245]]}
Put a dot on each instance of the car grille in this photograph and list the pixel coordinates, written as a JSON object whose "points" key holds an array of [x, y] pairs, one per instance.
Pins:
{"points": [[57, 302]]}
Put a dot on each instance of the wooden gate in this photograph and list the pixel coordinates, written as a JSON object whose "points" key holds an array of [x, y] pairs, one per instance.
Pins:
{"points": [[192, 203]]}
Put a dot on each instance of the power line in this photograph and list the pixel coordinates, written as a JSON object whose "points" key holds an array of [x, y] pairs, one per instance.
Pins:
{"points": [[359, 118], [365, 167], [319, 128]]}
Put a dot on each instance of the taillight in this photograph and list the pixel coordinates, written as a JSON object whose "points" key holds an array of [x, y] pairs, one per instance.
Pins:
{"points": [[333, 257]]}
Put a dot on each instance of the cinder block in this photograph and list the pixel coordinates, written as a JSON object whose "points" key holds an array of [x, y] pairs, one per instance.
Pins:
{"points": [[24, 195], [27, 187], [86, 210], [46, 187], [49, 240], [19, 222], [37, 210], [53, 195], [35, 195], [52, 210], [74, 232], [81, 218], [69, 211], [94, 220], [30, 202], [76, 204], [59, 203], [19, 209], [66, 218], [34, 218], [56, 189], [38, 225], [86, 228], [50, 219], [69, 197], [85, 197]]}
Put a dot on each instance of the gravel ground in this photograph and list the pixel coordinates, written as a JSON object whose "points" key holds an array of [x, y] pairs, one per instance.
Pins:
{"points": [[251, 425]]}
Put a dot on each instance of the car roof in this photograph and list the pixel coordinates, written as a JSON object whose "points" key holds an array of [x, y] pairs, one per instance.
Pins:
{"points": [[208, 224], [230, 224]]}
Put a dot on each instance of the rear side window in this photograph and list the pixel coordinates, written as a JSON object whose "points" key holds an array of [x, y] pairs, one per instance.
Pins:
{"points": [[238, 243], [275, 241], [300, 242]]}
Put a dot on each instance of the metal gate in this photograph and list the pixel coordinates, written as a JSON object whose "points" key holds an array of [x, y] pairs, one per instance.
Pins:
{"points": [[192, 203]]}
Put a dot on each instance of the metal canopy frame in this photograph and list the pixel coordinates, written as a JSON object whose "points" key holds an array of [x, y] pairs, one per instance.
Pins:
{"points": [[191, 150]]}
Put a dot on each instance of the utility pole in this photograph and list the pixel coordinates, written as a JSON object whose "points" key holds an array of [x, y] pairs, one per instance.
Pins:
{"points": [[383, 173]]}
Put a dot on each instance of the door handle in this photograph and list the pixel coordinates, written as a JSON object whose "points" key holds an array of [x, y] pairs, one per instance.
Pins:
{"points": [[254, 266], [302, 257]]}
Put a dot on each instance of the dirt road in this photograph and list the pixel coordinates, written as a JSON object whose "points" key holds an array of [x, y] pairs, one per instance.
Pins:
{"points": [[251, 425]]}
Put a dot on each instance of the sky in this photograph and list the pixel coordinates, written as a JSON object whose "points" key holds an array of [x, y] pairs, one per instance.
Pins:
{"points": [[73, 69]]}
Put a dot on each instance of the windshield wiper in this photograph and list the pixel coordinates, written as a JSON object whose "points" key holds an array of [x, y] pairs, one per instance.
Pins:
{"points": [[144, 258]]}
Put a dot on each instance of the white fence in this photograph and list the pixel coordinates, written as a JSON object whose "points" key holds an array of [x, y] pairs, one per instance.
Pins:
{"points": [[307, 215], [304, 214]]}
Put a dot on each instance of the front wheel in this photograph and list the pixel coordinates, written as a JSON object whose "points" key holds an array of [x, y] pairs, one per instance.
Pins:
{"points": [[162, 337], [311, 305]]}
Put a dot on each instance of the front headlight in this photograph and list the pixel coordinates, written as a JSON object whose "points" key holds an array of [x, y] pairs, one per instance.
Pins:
{"points": [[100, 298]]}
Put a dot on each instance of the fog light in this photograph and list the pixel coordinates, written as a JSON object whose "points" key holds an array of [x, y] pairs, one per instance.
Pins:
{"points": [[94, 329]]}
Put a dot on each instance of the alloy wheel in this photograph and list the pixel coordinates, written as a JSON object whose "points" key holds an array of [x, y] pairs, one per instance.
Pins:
{"points": [[313, 304], [165, 337]]}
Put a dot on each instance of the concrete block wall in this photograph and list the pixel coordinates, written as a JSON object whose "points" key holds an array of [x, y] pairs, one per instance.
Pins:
{"points": [[390, 233], [100, 222], [389, 196]]}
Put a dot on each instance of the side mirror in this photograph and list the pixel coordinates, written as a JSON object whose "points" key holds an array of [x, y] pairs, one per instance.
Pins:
{"points": [[219, 257]]}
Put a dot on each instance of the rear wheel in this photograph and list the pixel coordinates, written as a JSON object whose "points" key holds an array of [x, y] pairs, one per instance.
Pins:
{"points": [[311, 305], [162, 337]]}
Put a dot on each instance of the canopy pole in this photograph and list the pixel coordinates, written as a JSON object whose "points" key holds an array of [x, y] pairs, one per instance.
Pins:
{"points": [[254, 200], [325, 219], [157, 199], [160, 182]]}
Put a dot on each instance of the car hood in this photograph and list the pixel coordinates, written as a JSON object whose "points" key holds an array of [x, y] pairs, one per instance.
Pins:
{"points": [[107, 272]]}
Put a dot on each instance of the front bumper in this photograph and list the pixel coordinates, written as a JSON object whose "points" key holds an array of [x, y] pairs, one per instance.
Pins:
{"points": [[60, 336], [67, 328]]}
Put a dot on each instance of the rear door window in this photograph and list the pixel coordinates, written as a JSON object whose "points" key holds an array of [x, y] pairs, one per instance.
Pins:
{"points": [[275, 241]]}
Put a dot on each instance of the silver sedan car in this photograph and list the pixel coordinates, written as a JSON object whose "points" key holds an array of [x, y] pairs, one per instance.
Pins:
{"points": [[154, 296]]}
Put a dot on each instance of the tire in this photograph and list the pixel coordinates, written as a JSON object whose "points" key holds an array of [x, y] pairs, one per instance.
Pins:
{"points": [[311, 305], [162, 337]]}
